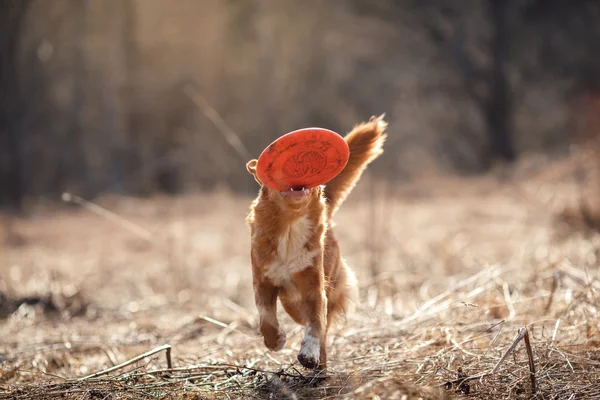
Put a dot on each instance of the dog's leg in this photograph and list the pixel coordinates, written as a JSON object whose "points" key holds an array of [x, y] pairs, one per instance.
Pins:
{"points": [[265, 296], [310, 283]]}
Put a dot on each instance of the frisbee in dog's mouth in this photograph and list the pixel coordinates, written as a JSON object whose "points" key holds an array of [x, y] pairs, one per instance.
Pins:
{"points": [[298, 191], [302, 159]]}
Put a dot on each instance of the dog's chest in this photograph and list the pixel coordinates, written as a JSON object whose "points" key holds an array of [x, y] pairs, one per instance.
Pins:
{"points": [[291, 253]]}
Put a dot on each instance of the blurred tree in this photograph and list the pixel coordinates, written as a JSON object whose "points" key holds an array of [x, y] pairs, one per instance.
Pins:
{"points": [[132, 157], [479, 62], [498, 106], [12, 17]]}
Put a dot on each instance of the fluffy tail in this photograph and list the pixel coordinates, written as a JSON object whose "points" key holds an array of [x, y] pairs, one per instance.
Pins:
{"points": [[366, 144]]}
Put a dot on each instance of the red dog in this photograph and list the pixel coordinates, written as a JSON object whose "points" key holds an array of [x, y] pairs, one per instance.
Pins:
{"points": [[295, 256]]}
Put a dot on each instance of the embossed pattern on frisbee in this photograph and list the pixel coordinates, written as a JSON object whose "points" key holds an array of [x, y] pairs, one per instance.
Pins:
{"points": [[304, 158]]}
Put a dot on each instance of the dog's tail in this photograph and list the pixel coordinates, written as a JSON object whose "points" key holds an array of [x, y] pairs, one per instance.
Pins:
{"points": [[366, 144]]}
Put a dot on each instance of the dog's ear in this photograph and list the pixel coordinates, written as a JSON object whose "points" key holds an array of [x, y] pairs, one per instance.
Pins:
{"points": [[251, 167]]}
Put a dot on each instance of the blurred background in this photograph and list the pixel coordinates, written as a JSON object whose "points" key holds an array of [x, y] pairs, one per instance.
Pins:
{"points": [[483, 213], [148, 96]]}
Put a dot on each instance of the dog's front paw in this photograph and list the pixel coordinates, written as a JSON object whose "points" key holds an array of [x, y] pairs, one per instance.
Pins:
{"points": [[276, 342], [309, 352]]}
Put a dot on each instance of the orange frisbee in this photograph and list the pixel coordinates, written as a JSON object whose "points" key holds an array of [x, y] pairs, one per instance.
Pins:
{"points": [[302, 159]]}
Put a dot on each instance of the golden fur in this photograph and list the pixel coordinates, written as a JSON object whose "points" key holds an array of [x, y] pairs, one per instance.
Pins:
{"points": [[295, 255]]}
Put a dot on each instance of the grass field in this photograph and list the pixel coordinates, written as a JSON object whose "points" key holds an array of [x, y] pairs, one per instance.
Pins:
{"points": [[454, 276]]}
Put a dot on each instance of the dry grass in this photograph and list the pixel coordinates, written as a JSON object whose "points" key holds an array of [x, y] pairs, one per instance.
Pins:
{"points": [[460, 269]]}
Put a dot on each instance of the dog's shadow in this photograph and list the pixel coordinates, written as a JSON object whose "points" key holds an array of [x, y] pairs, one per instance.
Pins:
{"points": [[293, 383]]}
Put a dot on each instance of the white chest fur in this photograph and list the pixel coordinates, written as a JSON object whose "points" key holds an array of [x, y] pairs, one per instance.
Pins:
{"points": [[292, 256]]}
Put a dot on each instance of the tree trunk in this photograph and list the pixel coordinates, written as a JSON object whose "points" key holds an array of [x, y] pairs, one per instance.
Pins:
{"points": [[498, 108], [12, 17]]}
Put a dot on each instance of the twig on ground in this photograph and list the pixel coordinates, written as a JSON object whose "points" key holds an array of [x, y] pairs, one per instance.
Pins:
{"points": [[520, 336], [555, 332], [530, 358], [103, 212], [555, 280], [508, 301], [166, 347], [226, 328]]}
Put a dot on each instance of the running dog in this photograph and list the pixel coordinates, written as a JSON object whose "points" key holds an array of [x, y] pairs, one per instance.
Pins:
{"points": [[295, 255]]}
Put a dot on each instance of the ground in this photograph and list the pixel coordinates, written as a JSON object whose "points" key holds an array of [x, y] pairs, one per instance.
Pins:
{"points": [[450, 274]]}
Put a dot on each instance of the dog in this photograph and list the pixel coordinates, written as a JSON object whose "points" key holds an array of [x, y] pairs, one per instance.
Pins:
{"points": [[295, 255]]}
